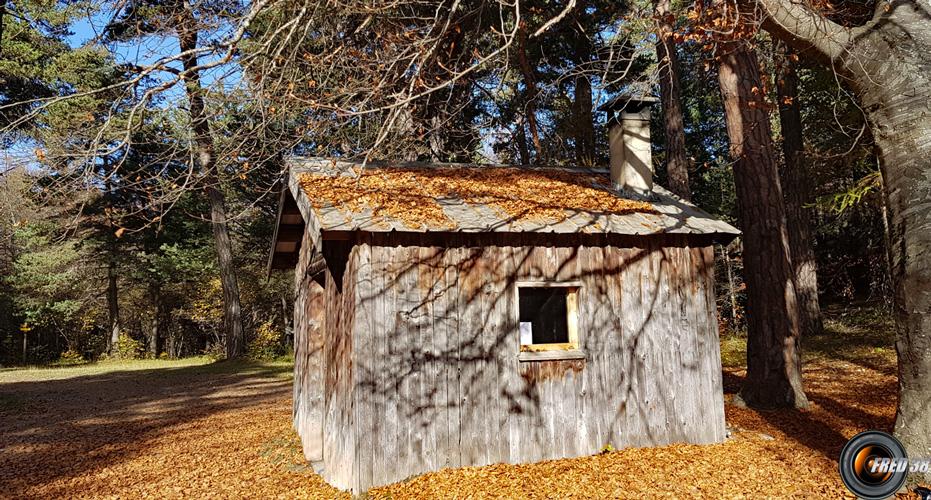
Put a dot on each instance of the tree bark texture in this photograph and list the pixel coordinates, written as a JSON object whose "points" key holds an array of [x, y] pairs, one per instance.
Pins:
{"points": [[887, 62], [155, 322], [530, 91], [677, 159], [583, 121], [113, 307], [204, 153], [797, 190], [774, 367]]}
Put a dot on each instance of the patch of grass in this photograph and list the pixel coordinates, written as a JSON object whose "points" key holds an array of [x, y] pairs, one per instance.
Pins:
{"points": [[202, 365], [862, 334], [733, 351]]}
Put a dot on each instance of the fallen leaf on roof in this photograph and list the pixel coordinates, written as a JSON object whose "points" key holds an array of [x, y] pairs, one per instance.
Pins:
{"points": [[411, 195]]}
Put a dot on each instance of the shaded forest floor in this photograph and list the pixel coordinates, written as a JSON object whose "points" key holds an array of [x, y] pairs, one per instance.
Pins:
{"points": [[192, 429]]}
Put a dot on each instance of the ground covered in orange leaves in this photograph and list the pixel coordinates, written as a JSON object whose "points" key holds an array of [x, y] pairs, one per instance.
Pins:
{"points": [[192, 429]]}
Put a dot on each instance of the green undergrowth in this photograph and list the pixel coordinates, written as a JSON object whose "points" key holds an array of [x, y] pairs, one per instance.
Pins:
{"points": [[862, 334]]}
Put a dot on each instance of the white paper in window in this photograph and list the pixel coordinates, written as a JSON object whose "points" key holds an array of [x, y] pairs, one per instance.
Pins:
{"points": [[526, 333]]}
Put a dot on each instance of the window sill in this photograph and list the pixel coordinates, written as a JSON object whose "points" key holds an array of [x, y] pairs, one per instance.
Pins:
{"points": [[559, 355]]}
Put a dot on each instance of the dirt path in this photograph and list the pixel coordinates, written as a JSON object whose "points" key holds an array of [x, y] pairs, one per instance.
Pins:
{"points": [[223, 430]]}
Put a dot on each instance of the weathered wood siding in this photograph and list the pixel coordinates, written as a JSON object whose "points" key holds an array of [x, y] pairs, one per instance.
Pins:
{"points": [[435, 376], [341, 438], [309, 306]]}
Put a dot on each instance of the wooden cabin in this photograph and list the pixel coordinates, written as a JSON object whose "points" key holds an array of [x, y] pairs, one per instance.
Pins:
{"points": [[452, 315]]}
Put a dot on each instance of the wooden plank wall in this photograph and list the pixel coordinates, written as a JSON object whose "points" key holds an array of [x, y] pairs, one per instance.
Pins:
{"points": [[308, 356], [436, 379], [339, 433]]}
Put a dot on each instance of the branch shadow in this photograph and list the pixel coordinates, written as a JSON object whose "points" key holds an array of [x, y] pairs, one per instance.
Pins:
{"points": [[65, 428]]}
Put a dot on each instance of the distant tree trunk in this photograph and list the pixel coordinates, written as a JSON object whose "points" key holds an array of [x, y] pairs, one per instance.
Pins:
{"points": [[583, 121], [731, 286], [530, 84], [797, 190], [677, 159], [774, 365], [113, 306], [522, 149], [155, 322], [204, 153]]}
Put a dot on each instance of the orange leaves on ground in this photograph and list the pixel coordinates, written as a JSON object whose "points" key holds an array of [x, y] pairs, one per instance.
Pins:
{"points": [[411, 194], [154, 435], [193, 433]]}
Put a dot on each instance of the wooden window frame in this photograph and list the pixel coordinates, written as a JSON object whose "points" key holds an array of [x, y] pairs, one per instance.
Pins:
{"points": [[554, 352]]}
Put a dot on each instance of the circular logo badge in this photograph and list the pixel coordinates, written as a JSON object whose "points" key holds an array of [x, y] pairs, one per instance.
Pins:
{"points": [[873, 465]]}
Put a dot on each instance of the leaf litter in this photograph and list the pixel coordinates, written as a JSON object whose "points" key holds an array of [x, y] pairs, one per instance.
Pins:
{"points": [[412, 195], [196, 433]]}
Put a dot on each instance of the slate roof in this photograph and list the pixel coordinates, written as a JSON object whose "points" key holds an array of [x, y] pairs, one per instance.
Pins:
{"points": [[668, 213]]}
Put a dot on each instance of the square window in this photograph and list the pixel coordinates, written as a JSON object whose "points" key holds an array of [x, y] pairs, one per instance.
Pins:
{"points": [[548, 316]]}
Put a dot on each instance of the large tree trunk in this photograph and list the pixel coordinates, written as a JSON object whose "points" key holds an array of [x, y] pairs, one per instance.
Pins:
{"points": [[203, 144], [887, 62], [677, 159], [797, 189], [897, 98], [774, 366]]}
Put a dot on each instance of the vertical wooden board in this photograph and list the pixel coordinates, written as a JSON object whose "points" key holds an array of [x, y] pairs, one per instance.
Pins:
{"points": [[467, 415], [614, 362], [442, 361], [681, 378], [514, 386], [419, 411], [364, 372], [698, 314], [297, 410], [662, 369], [488, 377], [711, 352], [453, 365], [382, 394], [331, 424], [635, 339], [503, 332], [594, 301], [588, 336], [431, 397], [652, 369], [559, 268], [347, 384], [393, 363], [694, 385], [312, 363], [474, 439], [406, 344]]}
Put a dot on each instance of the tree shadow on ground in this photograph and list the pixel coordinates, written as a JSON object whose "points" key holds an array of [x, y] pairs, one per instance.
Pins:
{"points": [[64, 428], [856, 345]]}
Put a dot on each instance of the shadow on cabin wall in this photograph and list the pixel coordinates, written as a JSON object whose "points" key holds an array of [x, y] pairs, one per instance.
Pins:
{"points": [[421, 351]]}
